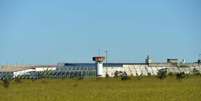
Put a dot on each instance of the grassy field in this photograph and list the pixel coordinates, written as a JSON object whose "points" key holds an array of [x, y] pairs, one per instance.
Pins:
{"points": [[146, 89]]}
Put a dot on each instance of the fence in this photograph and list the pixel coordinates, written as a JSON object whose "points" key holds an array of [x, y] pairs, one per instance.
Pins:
{"points": [[60, 73]]}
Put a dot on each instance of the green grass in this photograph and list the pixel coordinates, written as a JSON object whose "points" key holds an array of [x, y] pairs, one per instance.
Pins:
{"points": [[146, 89]]}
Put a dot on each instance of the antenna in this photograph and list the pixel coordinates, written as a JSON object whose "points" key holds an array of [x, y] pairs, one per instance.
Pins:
{"points": [[99, 51], [106, 55]]}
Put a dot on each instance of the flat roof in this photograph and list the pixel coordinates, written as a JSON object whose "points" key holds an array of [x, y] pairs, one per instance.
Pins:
{"points": [[104, 64], [121, 64], [13, 69]]}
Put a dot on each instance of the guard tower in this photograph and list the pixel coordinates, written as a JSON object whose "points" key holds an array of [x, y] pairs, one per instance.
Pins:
{"points": [[99, 65]]}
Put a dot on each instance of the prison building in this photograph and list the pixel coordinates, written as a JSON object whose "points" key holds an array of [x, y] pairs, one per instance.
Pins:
{"points": [[23, 71], [97, 69]]}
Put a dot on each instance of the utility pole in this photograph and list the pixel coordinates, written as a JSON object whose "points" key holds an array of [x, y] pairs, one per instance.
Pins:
{"points": [[99, 52], [106, 60], [106, 55]]}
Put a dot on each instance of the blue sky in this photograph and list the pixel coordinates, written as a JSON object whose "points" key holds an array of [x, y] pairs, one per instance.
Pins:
{"points": [[51, 31]]}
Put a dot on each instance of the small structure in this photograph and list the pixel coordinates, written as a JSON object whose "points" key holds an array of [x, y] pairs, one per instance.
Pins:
{"points": [[148, 60], [39, 68], [172, 61], [13, 71], [99, 65], [199, 61]]}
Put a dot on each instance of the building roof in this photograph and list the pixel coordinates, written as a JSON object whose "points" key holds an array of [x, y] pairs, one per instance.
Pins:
{"points": [[93, 65], [13, 69]]}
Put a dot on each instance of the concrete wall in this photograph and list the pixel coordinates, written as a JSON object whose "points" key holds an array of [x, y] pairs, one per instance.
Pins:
{"points": [[22, 72], [45, 68], [146, 70]]}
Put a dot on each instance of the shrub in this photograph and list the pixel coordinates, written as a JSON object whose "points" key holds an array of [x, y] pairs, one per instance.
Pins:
{"points": [[121, 75], [196, 72], [149, 74], [6, 83], [124, 76], [180, 75], [107, 75], [170, 74], [162, 74], [116, 74], [18, 80]]}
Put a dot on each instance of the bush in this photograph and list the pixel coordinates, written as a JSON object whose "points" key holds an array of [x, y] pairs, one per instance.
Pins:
{"points": [[107, 75], [124, 76], [196, 72], [6, 83], [162, 74], [18, 80], [170, 74], [180, 75], [116, 74], [121, 75]]}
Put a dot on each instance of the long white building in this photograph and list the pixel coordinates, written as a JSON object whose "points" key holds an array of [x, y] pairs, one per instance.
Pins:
{"points": [[99, 69], [18, 70]]}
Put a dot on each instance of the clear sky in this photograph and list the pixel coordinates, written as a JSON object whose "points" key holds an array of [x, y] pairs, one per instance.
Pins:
{"points": [[51, 31]]}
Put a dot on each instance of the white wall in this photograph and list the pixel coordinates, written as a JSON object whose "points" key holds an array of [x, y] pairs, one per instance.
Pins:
{"points": [[145, 69], [22, 72], [44, 68]]}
